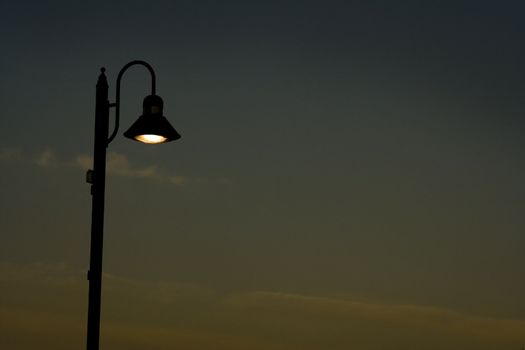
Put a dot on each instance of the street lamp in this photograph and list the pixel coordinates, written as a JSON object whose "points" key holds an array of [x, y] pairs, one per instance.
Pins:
{"points": [[150, 128]]}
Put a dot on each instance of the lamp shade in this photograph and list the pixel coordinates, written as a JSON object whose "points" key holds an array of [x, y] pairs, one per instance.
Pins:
{"points": [[152, 127]]}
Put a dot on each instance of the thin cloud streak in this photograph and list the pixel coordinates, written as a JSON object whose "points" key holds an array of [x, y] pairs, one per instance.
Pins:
{"points": [[162, 315], [117, 165], [10, 154], [416, 317], [46, 158]]}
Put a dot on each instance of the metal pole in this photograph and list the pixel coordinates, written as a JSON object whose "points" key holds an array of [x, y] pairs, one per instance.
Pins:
{"points": [[97, 178]]}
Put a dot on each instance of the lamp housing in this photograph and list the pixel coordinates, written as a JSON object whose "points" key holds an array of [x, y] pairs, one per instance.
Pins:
{"points": [[152, 127]]}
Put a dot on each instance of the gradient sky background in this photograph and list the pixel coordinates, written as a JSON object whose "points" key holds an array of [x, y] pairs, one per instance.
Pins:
{"points": [[350, 175]]}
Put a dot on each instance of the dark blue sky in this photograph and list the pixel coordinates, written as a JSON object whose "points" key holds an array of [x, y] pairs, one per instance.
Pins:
{"points": [[353, 166]]}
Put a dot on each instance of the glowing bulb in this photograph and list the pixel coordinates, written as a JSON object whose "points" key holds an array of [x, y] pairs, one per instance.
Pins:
{"points": [[149, 138]]}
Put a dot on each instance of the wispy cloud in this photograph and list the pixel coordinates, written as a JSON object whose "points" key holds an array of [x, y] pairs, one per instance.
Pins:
{"points": [[163, 315], [426, 322], [46, 158], [42, 158], [10, 154], [119, 165]]}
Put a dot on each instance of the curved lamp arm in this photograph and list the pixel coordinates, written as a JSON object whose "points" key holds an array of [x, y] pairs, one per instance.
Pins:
{"points": [[117, 102]]}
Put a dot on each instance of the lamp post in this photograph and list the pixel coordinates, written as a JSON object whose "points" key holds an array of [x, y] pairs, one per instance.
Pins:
{"points": [[151, 128]]}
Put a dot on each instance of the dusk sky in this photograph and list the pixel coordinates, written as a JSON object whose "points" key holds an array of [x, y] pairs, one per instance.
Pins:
{"points": [[350, 175]]}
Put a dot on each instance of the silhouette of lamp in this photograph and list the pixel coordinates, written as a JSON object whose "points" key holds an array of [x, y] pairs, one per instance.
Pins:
{"points": [[150, 128]]}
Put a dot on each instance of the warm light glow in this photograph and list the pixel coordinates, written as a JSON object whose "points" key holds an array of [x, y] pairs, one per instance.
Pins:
{"points": [[148, 138]]}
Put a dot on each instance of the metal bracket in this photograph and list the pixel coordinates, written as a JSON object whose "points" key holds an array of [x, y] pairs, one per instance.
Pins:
{"points": [[89, 176]]}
